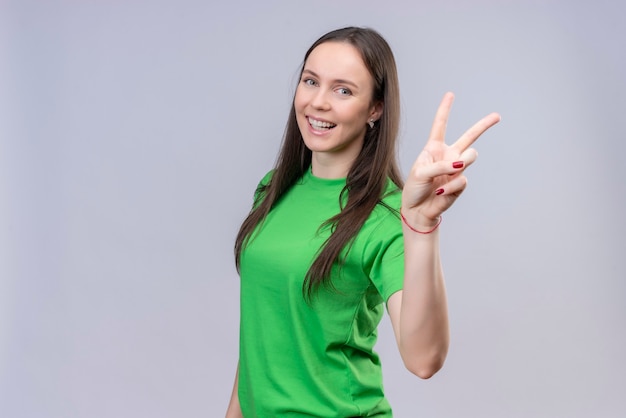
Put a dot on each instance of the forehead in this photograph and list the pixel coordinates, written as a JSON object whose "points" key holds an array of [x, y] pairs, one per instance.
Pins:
{"points": [[338, 60]]}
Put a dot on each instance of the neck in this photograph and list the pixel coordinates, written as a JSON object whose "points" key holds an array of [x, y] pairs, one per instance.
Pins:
{"points": [[329, 168]]}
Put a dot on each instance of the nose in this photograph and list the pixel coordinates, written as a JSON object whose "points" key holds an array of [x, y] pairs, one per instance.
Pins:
{"points": [[320, 100]]}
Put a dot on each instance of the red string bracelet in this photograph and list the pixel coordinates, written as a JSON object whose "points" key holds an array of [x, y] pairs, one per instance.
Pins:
{"points": [[421, 232]]}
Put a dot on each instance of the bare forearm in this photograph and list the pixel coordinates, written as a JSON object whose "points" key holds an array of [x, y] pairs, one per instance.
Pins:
{"points": [[423, 326]]}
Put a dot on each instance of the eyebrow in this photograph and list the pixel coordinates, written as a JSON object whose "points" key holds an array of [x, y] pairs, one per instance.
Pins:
{"points": [[339, 81]]}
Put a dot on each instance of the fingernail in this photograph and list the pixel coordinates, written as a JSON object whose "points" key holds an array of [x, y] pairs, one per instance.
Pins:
{"points": [[438, 192], [458, 164]]}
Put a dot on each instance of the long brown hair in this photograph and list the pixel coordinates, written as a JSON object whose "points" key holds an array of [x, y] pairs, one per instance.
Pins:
{"points": [[367, 178]]}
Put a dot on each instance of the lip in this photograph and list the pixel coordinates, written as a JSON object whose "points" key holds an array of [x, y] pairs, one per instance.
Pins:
{"points": [[317, 119], [315, 131]]}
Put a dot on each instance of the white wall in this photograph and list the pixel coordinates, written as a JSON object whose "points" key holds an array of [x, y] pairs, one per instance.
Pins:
{"points": [[132, 135]]}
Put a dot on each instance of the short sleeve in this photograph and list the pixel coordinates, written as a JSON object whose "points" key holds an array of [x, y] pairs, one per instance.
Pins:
{"points": [[384, 254]]}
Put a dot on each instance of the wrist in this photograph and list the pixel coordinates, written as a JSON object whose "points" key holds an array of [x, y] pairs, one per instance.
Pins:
{"points": [[421, 225]]}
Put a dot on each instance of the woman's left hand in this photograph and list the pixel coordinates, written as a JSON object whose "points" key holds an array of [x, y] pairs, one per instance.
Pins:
{"points": [[437, 176]]}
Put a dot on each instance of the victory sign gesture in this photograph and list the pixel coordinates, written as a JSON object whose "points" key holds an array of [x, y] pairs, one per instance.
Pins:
{"points": [[437, 177]]}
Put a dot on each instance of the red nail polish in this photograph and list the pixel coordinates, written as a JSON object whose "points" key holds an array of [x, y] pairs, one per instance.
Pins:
{"points": [[458, 164], [438, 192]]}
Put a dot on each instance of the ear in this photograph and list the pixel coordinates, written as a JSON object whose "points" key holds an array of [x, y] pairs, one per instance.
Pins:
{"points": [[377, 111]]}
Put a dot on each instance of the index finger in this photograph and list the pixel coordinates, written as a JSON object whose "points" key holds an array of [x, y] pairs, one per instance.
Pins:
{"points": [[438, 130], [472, 134]]}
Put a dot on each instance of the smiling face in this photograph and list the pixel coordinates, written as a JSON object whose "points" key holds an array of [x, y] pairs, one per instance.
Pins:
{"points": [[333, 105]]}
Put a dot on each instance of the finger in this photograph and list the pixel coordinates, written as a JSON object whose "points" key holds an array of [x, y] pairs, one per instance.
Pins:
{"points": [[438, 130], [454, 187], [444, 167], [423, 170], [472, 134], [468, 157]]}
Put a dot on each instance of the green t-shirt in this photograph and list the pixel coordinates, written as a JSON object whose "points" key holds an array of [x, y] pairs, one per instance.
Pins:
{"points": [[315, 360]]}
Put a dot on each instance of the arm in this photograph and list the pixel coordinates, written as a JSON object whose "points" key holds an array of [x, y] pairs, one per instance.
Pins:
{"points": [[419, 313], [234, 410]]}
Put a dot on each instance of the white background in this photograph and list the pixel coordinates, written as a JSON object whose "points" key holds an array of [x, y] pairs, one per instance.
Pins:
{"points": [[133, 133]]}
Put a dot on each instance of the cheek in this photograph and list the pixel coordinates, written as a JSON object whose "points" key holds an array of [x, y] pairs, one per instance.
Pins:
{"points": [[299, 100], [357, 116]]}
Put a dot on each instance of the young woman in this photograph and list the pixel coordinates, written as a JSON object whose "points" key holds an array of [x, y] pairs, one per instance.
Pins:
{"points": [[334, 236]]}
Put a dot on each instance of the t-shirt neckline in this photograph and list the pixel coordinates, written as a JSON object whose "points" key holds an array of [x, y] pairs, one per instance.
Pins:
{"points": [[310, 177]]}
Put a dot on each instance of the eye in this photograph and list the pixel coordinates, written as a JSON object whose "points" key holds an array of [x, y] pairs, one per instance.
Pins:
{"points": [[309, 81], [344, 91]]}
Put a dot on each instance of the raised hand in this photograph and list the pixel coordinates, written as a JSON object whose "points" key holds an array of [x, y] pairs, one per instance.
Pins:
{"points": [[437, 176]]}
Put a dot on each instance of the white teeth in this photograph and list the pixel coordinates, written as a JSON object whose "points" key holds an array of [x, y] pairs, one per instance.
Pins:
{"points": [[320, 125]]}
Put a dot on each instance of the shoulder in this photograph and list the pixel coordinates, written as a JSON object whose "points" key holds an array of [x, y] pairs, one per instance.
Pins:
{"points": [[259, 192], [392, 194], [266, 179], [386, 213], [390, 201]]}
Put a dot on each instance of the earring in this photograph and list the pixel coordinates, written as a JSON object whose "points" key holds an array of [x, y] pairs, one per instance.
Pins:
{"points": [[371, 123]]}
